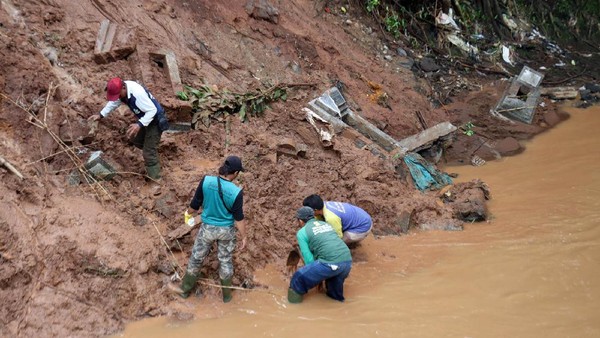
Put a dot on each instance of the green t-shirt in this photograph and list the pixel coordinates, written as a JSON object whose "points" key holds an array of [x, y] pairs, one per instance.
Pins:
{"points": [[319, 241]]}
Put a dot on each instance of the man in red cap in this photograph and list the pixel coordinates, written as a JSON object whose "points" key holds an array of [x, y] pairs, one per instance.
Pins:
{"points": [[151, 119]]}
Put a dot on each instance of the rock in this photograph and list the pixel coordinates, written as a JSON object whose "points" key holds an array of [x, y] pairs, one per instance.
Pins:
{"points": [[406, 62], [51, 54], [263, 10], [585, 94], [551, 118], [592, 87], [296, 68], [401, 52], [164, 205], [468, 201], [428, 65], [405, 221], [508, 146], [444, 224]]}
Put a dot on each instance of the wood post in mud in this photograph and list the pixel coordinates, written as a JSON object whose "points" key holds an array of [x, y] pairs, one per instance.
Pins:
{"points": [[10, 167]]}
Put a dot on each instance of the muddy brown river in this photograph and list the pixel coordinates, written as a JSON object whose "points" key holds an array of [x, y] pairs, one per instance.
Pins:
{"points": [[533, 270]]}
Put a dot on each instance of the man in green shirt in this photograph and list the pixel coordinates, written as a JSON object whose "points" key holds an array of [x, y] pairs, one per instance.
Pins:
{"points": [[326, 258]]}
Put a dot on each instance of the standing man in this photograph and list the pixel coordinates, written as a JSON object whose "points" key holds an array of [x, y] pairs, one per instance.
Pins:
{"points": [[151, 119], [350, 222], [222, 209], [326, 258]]}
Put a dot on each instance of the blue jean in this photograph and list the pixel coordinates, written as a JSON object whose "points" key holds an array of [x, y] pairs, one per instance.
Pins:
{"points": [[334, 275]]}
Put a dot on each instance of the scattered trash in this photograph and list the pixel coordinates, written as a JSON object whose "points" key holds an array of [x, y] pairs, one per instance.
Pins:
{"points": [[424, 174], [447, 20], [462, 45], [506, 55], [477, 161], [325, 134]]}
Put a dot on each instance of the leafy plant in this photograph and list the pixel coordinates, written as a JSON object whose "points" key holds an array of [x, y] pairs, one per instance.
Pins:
{"points": [[182, 96], [210, 102], [394, 24], [467, 129], [372, 5]]}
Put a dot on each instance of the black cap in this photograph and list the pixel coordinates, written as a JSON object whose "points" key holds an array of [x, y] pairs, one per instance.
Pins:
{"points": [[234, 163], [305, 213]]}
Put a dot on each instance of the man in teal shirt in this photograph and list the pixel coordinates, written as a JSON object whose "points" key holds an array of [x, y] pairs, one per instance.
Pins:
{"points": [[326, 258], [222, 217]]}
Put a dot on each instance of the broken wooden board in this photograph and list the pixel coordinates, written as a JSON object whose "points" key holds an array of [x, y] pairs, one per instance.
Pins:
{"points": [[560, 93]]}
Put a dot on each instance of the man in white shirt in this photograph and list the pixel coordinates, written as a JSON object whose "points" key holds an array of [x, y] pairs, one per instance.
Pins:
{"points": [[151, 119]]}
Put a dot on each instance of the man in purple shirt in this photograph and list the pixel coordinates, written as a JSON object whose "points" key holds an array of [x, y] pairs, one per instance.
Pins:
{"points": [[350, 222]]}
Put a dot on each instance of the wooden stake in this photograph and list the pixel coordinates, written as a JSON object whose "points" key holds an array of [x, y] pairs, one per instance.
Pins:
{"points": [[10, 167]]}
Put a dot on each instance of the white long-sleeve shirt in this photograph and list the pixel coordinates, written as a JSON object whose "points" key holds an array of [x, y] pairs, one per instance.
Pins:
{"points": [[139, 100]]}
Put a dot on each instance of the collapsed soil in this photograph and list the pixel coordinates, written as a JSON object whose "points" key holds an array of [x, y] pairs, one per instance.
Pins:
{"points": [[80, 260]]}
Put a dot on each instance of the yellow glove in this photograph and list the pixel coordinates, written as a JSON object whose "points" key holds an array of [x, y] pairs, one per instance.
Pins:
{"points": [[188, 218]]}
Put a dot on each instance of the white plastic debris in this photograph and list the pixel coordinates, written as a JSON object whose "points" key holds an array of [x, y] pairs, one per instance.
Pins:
{"points": [[444, 19], [506, 55], [325, 136], [460, 43]]}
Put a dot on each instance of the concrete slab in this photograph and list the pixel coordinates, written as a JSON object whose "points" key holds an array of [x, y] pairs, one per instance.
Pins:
{"points": [[350, 121], [169, 61], [364, 127], [424, 138], [338, 125], [114, 42], [338, 98], [101, 38], [560, 93], [98, 167], [530, 77], [520, 98], [178, 127], [326, 103]]}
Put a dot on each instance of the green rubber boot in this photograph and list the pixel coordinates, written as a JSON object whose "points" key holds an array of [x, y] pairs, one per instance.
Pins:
{"points": [[294, 297], [226, 291], [187, 285], [153, 172]]}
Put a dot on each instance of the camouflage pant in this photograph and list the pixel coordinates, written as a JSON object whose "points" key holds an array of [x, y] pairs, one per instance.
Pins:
{"points": [[225, 237]]}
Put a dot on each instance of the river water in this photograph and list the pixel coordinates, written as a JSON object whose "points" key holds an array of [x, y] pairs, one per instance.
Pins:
{"points": [[532, 270]]}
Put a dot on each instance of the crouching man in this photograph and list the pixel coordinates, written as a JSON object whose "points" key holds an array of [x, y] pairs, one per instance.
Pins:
{"points": [[326, 258]]}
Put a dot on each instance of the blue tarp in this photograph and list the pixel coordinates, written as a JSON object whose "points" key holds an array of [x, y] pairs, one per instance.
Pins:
{"points": [[424, 174]]}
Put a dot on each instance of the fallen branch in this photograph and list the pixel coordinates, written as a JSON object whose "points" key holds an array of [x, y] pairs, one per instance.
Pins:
{"points": [[512, 109], [36, 121], [565, 79], [55, 154], [208, 282], [485, 70], [10, 167]]}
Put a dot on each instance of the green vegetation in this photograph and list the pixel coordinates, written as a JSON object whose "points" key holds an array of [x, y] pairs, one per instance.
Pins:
{"points": [[556, 19], [371, 5], [210, 102], [467, 129], [563, 19]]}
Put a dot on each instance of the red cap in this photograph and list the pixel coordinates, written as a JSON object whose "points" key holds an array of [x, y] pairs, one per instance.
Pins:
{"points": [[113, 89]]}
